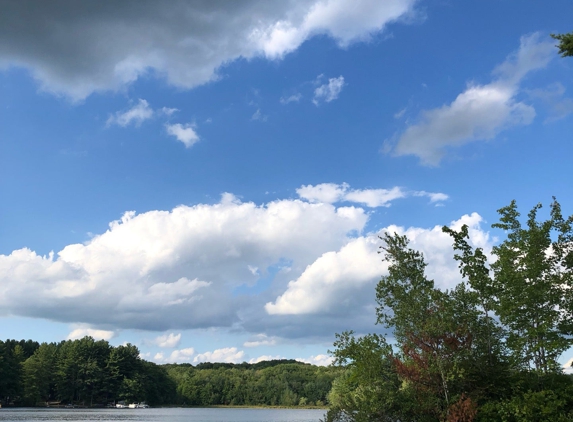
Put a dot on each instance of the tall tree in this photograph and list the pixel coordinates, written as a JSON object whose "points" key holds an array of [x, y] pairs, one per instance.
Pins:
{"points": [[440, 334], [533, 278], [38, 374]]}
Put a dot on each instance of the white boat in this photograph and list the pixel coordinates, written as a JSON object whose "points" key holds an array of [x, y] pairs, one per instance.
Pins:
{"points": [[143, 405], [133, 406], [121, 406]]}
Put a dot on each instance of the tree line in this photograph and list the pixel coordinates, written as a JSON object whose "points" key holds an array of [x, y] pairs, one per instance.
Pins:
{"points": [[94, 373], [486, 349], [273, 383], [84, 371]]}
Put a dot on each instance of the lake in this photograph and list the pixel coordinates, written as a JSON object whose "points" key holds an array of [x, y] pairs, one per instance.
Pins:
{"points": [[164, 415]]}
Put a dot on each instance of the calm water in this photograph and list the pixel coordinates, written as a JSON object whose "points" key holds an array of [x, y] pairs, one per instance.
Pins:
{"points": [[163, 415]]}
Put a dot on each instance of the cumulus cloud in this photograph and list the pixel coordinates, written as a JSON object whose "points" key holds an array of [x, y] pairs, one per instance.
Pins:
{"points": [[163, 270], [330, 91], [176, 356], [183, 133], [329, 193], [181, 269], [329, 281], [334, 280], [265, 357], [227, 354], [82, 332], [480, 112], [136, 115], [170, 340], [319, 360], [77, 48], [332, 193]]}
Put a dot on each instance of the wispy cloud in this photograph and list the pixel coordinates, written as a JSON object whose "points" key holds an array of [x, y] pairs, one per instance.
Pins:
{"points": [[135, 115], [330, 91], [295, 98], [257, 115], [261, 340], [168, 111], [478, 113], [553, 97], [332, 193]]}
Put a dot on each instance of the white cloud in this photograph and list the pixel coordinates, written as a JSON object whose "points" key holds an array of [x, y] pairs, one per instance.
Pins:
{"points": [[375, 197], [400, 114], [90, 49], [168, 111], [261, 340], [481, 111], [295, 98], [178, 269], [176, 356], [568, 367], [264, 358], [165, 270], [228, 355], [552, 96], [345, 22], [329, 281], [254, 270], [332, 193], [136, 115], [434, 196], [257, 115], [330, 91], [328, 193], [79, 333], [170, 340], [319, 360], [335, 279], [184, 133]]}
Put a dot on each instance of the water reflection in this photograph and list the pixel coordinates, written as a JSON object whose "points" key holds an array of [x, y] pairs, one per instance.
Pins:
{"points": [[163, 415]]}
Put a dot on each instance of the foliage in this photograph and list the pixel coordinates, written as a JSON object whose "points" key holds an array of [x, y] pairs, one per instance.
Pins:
{"points": [[484, 350], [276, 384], [84, 371], [89, 372], [565, 43]]}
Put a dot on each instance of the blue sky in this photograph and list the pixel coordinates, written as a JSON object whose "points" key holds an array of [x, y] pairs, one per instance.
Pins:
{"points": [[207, 181]]}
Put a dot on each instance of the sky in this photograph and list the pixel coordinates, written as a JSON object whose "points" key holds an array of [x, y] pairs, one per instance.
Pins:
{"points": [[207, 180]]}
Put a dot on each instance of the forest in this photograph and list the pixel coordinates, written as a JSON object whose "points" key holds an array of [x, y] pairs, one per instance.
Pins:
{"points": [[87, 372]]}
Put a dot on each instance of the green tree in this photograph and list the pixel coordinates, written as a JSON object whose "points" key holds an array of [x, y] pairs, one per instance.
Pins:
{"points": [[369, 388], [533, 277], [440, 334], [528, 285], [38, 374], [565, 43]]}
